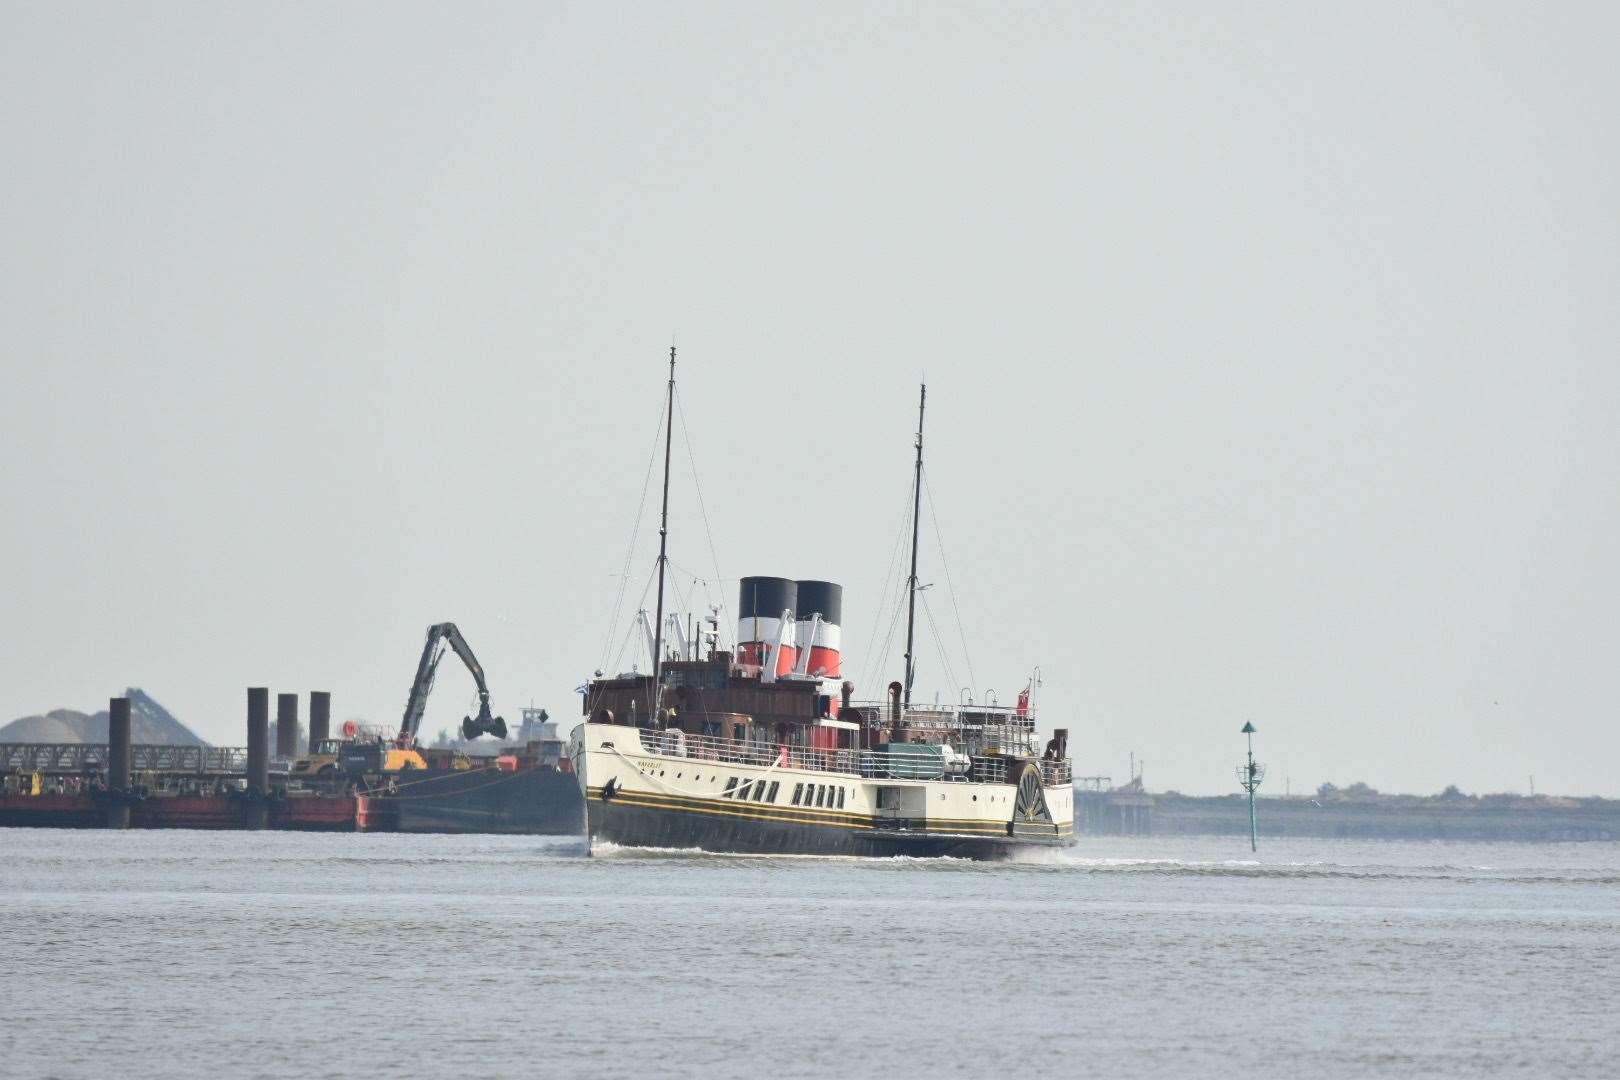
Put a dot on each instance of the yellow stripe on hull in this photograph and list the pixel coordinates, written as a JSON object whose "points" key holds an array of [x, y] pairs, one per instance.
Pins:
{"points": [[721, 808]]}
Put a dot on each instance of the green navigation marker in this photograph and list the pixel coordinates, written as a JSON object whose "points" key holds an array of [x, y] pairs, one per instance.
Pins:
{"points": [[1249, 776]]}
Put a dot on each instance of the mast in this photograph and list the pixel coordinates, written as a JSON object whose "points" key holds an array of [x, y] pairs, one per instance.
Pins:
{"points": [[663, 546], [916, 515]]}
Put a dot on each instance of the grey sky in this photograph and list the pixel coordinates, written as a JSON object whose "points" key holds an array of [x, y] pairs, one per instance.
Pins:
{"points": [[1271, 350]]}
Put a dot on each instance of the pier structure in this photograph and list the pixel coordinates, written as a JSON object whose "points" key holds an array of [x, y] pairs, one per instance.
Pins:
{"points": [[79, 759], [121, 784], [1103, 810]]}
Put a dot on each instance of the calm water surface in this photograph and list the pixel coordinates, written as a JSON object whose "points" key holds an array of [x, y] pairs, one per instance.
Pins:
{"points": [[188, 954]]}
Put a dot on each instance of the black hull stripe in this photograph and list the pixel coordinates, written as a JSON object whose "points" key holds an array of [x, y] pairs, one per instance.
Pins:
{"points": [[635, 825], [743, 808]]}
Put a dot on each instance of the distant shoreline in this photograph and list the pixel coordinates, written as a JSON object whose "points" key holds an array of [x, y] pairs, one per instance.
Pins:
{"points": [[1370, 817]]}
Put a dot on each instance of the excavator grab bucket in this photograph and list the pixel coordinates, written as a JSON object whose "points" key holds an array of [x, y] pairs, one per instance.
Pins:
{"points": [[439, 637], [484, 724]]}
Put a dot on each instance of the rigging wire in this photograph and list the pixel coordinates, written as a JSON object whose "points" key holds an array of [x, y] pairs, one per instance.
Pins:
{"points": [[877, 658], [895, 581], [704, 578], [885, 616], [939, 641], [703, 510], [949, 585], [709, 597], [874, 663], [873, 660], [630, 630], [630, 551], [683, 602]]}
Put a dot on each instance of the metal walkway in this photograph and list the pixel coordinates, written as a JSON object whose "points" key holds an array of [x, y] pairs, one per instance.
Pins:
{"points": [[144, 757]]}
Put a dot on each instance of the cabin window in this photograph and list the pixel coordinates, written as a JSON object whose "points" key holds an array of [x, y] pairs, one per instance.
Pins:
{"points": [[840, 798], [770, 796], [742, 789], [821, 794], [731, 784], [759, 791], [798, 793]]}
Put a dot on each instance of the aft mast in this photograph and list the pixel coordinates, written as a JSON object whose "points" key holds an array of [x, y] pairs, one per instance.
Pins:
{"points": [[663, 549], [916, 514]]}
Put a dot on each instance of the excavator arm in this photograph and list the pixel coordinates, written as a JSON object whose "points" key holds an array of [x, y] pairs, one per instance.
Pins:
{"points": [[439, 635]]}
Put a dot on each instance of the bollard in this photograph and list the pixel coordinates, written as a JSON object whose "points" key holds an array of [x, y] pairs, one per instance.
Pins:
{"points": [[258, 758], [118, 763], [286, 726], [320, 718]]}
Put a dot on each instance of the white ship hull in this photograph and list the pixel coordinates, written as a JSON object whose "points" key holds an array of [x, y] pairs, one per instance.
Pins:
{"points": [[647, 788]]}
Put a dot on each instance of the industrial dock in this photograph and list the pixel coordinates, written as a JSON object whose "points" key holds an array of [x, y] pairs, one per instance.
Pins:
{"points": [[122, 785]]}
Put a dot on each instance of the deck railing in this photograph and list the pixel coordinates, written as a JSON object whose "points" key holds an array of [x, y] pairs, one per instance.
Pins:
{"points": [[991, 727], [1057, 772], [870, 764], [945, 717], [144, 757]]}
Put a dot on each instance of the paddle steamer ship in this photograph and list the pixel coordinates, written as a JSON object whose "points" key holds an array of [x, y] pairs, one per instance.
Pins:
{"points": [[764, 749]]}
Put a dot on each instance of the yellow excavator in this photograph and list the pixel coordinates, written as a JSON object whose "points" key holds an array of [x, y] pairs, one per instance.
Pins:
{"points": [[354, 754], [357, 756]]}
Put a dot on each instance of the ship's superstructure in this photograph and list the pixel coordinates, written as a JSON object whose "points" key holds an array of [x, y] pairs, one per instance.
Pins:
{"points": [[735, 763], [764, 749]]}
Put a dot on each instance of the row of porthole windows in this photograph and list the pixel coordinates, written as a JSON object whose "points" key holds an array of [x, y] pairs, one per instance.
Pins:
{"points": [[648, 770], [824, 795], [827, 795]]}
